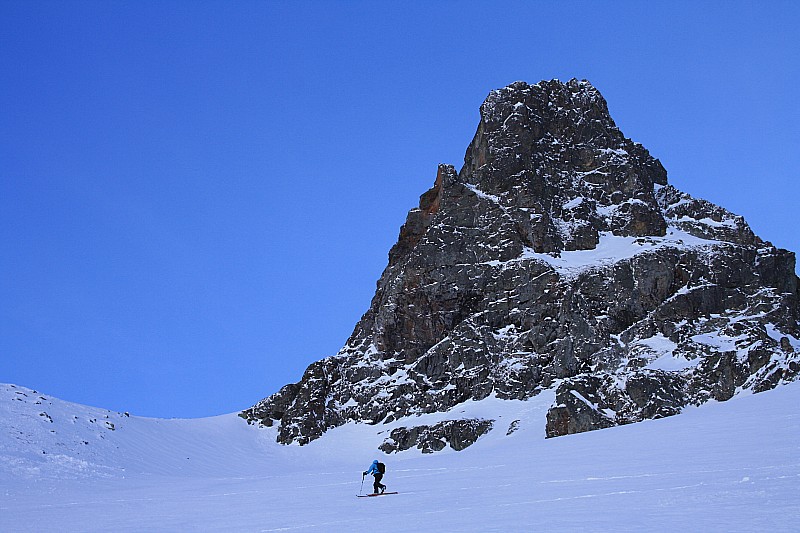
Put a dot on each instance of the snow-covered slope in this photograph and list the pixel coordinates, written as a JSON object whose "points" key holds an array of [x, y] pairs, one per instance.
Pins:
{"points": [[732, 466]]}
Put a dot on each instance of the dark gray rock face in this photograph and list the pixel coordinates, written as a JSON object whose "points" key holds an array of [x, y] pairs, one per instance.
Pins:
{"points": [[459, 434], [558, 257]]}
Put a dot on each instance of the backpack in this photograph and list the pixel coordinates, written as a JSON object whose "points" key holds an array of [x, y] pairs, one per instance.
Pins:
{"points": [[381, 468]]}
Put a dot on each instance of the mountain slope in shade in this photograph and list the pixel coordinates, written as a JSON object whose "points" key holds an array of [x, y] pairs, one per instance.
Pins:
{"points": [[557, 259]]}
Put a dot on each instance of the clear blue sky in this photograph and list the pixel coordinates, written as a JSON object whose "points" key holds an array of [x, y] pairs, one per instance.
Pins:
{"points": [[196, 198]]}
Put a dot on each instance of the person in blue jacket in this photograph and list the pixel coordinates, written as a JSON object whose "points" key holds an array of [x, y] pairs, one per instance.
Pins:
{"points": [[377, 487]]}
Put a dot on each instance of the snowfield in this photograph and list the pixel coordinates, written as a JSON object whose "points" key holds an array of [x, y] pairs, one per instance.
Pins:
{"points": [[732, 466]]}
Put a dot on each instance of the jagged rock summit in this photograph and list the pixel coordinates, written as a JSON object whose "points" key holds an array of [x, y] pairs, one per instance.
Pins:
{"points": [[558, 258]]}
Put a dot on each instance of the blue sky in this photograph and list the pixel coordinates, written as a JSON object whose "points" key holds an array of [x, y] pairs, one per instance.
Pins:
{"points": [[196, 198]]}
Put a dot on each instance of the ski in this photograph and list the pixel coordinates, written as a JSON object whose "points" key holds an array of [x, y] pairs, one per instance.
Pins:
{"points": [[371, 495]]}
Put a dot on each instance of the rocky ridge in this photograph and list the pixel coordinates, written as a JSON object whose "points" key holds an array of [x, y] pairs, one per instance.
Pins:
{"points": [[560, 258]]}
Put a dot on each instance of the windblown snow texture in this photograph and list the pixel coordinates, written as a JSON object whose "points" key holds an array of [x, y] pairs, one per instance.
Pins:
{"points": [[558, 259]]}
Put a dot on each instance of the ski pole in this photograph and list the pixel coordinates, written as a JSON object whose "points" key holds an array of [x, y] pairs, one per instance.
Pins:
{"points": [[362, 484]]}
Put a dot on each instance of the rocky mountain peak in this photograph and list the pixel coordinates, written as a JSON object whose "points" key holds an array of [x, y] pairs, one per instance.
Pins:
{"points": [[554, 147], [558, 258], [572, 113]]}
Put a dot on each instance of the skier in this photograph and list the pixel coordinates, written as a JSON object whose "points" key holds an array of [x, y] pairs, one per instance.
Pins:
{"points": [[377, 469]]}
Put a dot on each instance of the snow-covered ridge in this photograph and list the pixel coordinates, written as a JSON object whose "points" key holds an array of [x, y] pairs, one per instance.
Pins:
{"points": [[611, 249], [43, 436]]}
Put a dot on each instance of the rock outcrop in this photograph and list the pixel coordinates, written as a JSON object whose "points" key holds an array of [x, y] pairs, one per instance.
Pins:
{"points": [[558, 257], [458, 434]]}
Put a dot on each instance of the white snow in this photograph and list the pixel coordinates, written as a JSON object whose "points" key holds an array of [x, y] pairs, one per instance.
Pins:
{"points": [[612, 249], [480, 194], [663, 356], [717, 340], [727, 223], [732, 466], [617, 151], [349, 403], [575, 202], [776, 334], [672, 363], [506, 332]]}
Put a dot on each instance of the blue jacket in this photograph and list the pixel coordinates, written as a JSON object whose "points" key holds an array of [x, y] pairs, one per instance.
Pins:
{"points": [[373, 468]]}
